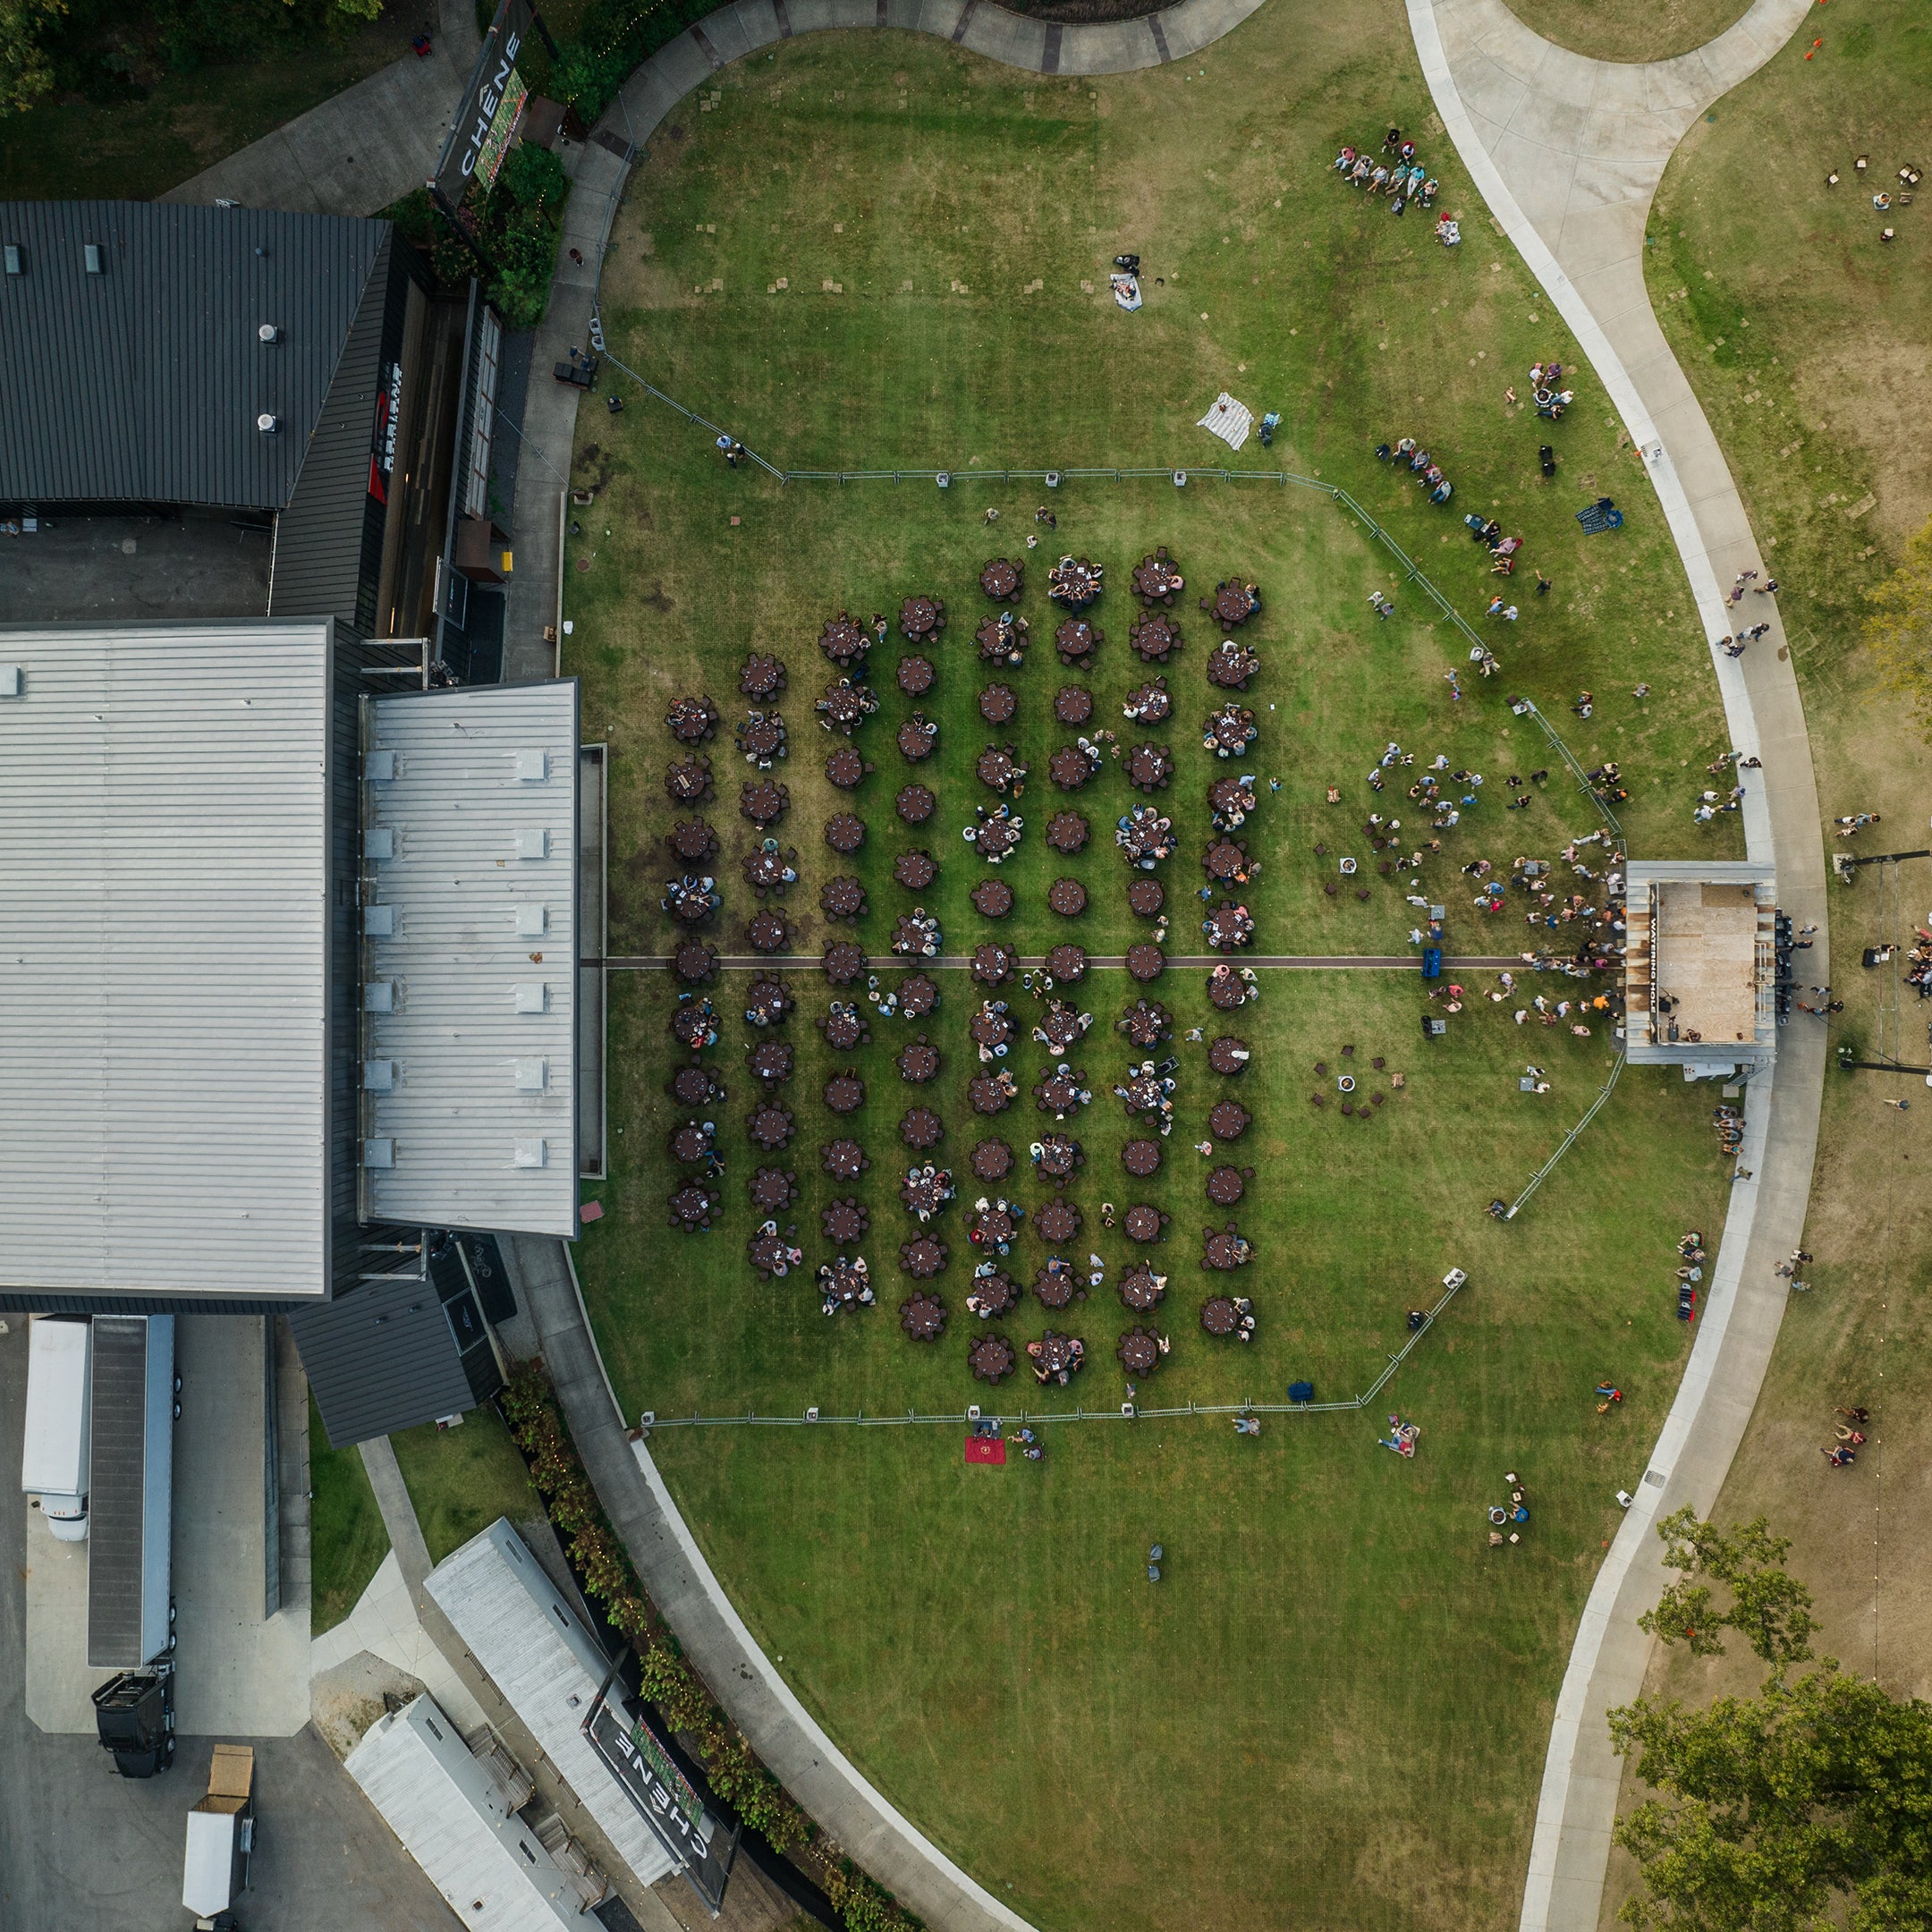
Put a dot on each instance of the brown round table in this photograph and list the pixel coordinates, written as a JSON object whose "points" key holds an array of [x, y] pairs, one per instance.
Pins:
{"points": [[1228, 927], [996, 768], [922, 1257], [992, 898], [1058, 1093], [1076, 640], [1146, 897], [845, 706], [845, 1093], [762, 676], [918, 1062], [1226, 1249], [1073, 705], [1060, 1025], [1055, 1285], [990, 1028], [1219, 1316], [1002, 639], [768, 1253], [841, 898], [768, 999], [997, 704], [1057, 1355], [770, 1125], [846, 1282], [1225, 1186], [1223, 858], [1156, 578], [695, 962], [1229, 732], [996, 838], [844, 832], [1142, 1222], [992, 964], [915, 870], [843, 638], [1150, 767], [1145, 1023], [990, 1359], [692, 720], [764, 871], [844, 961], [767, 931], [1229, 799], [1070, 768], [988, 1093], [1150, 704], [921, 1128], [691, 1143], [918, 995], [764, 801], [844, 767], [692, 1206], [689, 779], [997, 1292], [1235, 603], [1228, 1055], [923, 1316], [843, 1220], [995, 1224], [1141, 1288], [1157, 637], [1059, 1156], [843, 1160], [694, 1024], [925, 1191], [992, 1160], [842, 1027], [694, 1086], [1227, 1120], [920, 617], [1066, 961], [773, 1188], [1226, 991], [1138, 1352], [914, 804], [693, 839], [1146, 961], [1142, 1158], [1144, 1094], [1074, 581], [917, 737], [1000, 580], [1056, 1222], [1067, 831], [1067, 897], [916, 675], [1231, 664], [762, 737], [914, 936]]}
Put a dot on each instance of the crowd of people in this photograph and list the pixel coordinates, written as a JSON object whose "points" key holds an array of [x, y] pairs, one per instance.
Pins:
{"points": [[1397, 175], [1422, 465]]}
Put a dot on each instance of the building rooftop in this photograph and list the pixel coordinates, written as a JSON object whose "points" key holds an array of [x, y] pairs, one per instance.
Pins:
{"points": [[163, 979], [1697, 973]]}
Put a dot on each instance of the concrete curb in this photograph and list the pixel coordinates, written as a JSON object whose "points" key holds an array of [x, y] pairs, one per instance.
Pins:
{"points": [[1567, 152]]}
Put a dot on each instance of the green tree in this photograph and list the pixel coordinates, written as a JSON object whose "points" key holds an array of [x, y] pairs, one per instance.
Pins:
{"points": [[1769, 1609], [1899, 630], [25, 70]]}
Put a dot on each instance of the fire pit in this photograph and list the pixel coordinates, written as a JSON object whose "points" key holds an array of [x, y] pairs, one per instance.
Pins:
{"points": [[992, 1160], [841, 898], [843, 1160], [921, 1128], [764, 801], [844, 767], [914, 804], [844, 961], [992, 898], [761, 677], [918, 1062], [692, 720], [916, 675], [689, 781]]}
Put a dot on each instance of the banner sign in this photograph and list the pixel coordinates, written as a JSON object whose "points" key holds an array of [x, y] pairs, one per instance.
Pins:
{"points": [[696, 1841], [383, 433], [480, 134]]}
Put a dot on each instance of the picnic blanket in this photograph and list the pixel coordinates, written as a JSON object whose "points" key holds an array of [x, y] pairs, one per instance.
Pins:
{"points": [[985, 1449], [1602, 515], [1126, 291], [1228, 419], [1400, 1437]]}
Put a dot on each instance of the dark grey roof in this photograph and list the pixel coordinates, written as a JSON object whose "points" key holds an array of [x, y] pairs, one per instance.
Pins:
{"points": [[117, 1500], [143, 383]]}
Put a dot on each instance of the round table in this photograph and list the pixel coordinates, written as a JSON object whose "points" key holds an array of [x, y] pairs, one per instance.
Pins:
{"points": [[1142, 1222], [689, 901], [915, 870], [917, 738], [843, 1220], [1225, 1186], [774, 1187], [691, 1206], [842, 1026], [1074, 581], [692, 720], [845, 706], [1227, 1120], [1058, 1353], [1219, 1316], [1146, 961], [695, 962], [846, 1281], [1067, 831], [1138, 1352], [1060, 1026], [1226, 990], [691, 1143], [1144, 1094], [1002, 639], [764, 801], [693, 1085], [925, 1191], [918, 1062], [1226, 1249], [767, 1253], [921, 1128], [992, 964], [1067, 961], [1076, 640], [1230, 665], [768, 999], [997, 704], [1228, 1055], [914, 804], [1141, 1288], [990, 1028], [694, 1024], [1156, 636], [1145, 836], [918, 995], [844, 638], [1055, 1285], [841, 898], [1224, 859], [844, 767], [1148, 704], [995, 838], [688, 781], [844, 832], [1235, 603], [845, 1093], [1145, 1023], [1070, 768], [920, 617], [843, 1160], [996, 768], [915, 935], [988, 1093], [995, 1224], [770, 1125], [1230, 799], [1067, 897], [992, 898], [844, 961], [693, 839], [1058, 1094], [762, 737], [764, 871], [1000, 580], [922, 1257], [916, 675], [1149, 766], [1228, 927], [1142, 1158], [1146, 897], [1059, 1156], [990, 1359], [995, 1291], [1072, 704], [763, 676], [1058, 1221], [1156, 578], [1229, 731], [992, 1160], [923, 1316], [767, 931]]}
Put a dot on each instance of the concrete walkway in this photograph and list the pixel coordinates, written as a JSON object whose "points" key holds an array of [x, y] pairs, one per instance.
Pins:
{"points": [[1568, 153], [1114, 962], [692, 1601], [360, 149]]}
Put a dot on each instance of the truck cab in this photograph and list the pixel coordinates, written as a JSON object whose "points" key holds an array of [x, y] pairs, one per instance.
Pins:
{"points": [[56, 1450]]}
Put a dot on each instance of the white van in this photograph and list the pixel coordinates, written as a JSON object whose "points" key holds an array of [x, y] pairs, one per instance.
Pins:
{"points": [[54, 1458]]}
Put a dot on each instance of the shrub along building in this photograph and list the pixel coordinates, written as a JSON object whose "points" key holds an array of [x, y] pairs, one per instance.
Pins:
{"points": [[291, 1018], [297, 376]]}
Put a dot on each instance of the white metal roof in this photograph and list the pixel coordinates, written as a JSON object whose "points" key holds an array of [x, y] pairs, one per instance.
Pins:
{"points": [[163, 912], [470, 958], [452, 1819], [515, 1623]]}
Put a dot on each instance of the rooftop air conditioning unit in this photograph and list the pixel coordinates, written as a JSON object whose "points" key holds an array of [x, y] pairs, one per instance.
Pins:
{"points": [[532, 997], [532, 921], [379, 1152], [379, 767], [533, 767], [379, 997], [533, 845], [532, 1153]]}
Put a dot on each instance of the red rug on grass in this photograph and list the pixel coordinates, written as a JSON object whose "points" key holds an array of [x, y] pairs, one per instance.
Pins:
{"points": [[985, 1449]]}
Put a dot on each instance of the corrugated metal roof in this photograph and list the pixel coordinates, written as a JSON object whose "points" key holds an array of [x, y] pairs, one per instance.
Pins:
{"points": [[163, 895], [482, 1031], [143, 382], [516, 1624]]}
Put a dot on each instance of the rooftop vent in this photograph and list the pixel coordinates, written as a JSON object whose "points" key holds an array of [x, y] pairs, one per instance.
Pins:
{"points": [[91, 254], [532, 1076], [378, 842], [378, 996], [533, 767], [379, 1152], [268, 333], [533, 845], [13, 681], [531, 921], [378, 1076], [532, 1153], [379, 921], [532, 995], [267, 423], [379, 767], [16, 262]]}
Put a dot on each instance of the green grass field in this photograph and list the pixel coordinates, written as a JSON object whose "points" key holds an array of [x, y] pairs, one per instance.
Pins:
{"points": [[1337, 1702], [462, 1479], [346, 1533]]}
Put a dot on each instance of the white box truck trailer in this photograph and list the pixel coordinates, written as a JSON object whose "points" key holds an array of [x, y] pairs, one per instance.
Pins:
{"points": [[54, 1452]]}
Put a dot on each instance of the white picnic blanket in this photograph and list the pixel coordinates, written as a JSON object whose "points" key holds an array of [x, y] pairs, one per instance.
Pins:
{"points": [[1228, 419], [1126, 291]]}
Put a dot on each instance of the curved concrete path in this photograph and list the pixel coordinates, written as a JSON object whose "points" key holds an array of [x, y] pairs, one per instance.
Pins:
{"points": [[1568, 152]]}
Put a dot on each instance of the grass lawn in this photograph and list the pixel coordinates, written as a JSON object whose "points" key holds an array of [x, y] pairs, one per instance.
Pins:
{"points": [[1629, 29], [1346, 1694], [347, 1539], [462, 1479], [136, 150]]}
